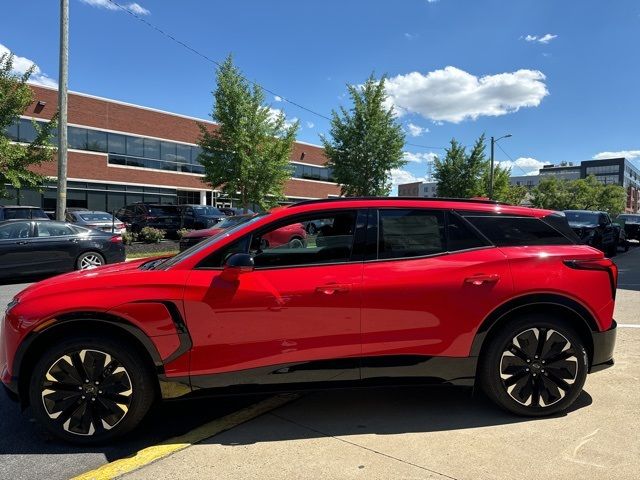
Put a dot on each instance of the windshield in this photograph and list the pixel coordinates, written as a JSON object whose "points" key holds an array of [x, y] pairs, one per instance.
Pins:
{"points": [[96, 217], [225, 232], [208, 211], [11, 213], [167, 210], [581, 217]]}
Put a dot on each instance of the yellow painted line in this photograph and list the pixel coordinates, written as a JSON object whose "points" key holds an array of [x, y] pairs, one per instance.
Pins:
{"points": [[173, 445]]}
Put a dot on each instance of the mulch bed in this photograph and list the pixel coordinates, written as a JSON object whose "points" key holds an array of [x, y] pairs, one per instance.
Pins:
{"points": [[160, 247]]}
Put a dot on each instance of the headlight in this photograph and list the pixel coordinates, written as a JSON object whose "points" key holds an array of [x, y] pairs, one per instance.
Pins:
{"points": [[10, 305]]}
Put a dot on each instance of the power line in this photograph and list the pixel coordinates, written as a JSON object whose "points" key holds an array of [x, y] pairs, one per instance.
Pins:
{"points": [[513, 162]]}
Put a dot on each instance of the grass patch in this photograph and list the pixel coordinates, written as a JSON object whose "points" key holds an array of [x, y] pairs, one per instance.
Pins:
{"points": [[136, 255]]}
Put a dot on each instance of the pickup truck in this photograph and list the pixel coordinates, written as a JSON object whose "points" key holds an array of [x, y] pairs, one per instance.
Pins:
{"points": [[596, 229]]}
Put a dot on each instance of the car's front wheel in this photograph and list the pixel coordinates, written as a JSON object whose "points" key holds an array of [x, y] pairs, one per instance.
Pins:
{"points": [[534, 366], [88, 390]]}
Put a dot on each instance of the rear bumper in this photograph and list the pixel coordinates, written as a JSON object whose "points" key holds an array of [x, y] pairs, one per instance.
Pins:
{"points": [[603, 345]]}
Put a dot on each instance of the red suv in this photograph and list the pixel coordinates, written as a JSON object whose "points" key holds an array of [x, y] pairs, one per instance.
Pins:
{"points": [[389, 290]]}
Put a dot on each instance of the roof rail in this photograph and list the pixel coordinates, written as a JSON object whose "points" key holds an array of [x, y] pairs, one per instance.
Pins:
{"points": [[425, 199]]}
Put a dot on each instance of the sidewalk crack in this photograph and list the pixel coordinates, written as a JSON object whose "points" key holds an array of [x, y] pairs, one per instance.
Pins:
{"points": [[362, 446]]}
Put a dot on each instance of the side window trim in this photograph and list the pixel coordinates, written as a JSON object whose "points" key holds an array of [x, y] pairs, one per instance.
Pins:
{"points": [[473, 228]]}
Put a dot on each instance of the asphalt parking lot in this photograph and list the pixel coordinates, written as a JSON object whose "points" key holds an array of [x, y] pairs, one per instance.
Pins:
{"points": [[432, 433]]}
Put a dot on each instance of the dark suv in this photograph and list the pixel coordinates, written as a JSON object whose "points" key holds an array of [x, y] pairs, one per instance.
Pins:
{"points": [[197, 217], [404, 291], [596, 229], [11, 212], [631, 222], [140, 215]]}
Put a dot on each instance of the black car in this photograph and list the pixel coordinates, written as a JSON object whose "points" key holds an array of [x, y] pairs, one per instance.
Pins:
{"points": [[139, 215], [33, 247], [197, 217], [10, 212], [596, 229], [631, 222]]}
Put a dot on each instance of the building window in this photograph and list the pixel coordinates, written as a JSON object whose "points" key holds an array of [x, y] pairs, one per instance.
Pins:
{"points": [[117, 143]]}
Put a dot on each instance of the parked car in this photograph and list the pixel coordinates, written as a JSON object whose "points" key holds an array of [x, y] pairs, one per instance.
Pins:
{"points": [[200, 216], [33, 247], [229, 211], [291, 235], [596, 229], [95, 219], [631, 224], [139, 215], [429, 291], [9, 212]]}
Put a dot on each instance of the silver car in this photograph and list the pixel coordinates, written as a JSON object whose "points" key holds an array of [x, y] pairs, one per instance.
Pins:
{"points": [[94, 219]]}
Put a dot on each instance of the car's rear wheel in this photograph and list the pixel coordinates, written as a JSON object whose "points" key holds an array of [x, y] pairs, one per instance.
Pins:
{"points": [[296, 242], [534, 366], [89, 260], [86, 390]]}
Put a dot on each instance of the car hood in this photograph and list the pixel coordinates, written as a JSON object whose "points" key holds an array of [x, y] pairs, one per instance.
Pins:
{"points": [[73, 280]]}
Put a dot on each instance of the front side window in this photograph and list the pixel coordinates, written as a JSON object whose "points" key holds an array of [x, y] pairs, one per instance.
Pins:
{"points": [[15, 230], [404, 233], [290, 244]]}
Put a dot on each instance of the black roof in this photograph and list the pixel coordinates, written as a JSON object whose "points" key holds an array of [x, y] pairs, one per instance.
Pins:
{"points": [[425, 199]]}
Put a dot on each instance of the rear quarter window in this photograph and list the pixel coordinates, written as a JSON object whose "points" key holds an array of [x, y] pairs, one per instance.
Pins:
{"points": [[504, 231]]}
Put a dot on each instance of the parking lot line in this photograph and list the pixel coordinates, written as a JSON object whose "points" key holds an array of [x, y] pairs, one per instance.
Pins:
{"points": [[175, 444], [628, 325]]}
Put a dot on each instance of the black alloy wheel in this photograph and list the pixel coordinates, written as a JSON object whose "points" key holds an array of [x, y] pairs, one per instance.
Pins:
{"points": [[534, 366], [87, 391]]}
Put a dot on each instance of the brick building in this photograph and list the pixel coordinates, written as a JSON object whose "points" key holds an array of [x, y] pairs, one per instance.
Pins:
{"points": [[121, 153]]}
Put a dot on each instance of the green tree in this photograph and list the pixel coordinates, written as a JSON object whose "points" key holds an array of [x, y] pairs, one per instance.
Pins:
{"points": [[16, 160], [464, 175], [248, 154], [366, 142]]}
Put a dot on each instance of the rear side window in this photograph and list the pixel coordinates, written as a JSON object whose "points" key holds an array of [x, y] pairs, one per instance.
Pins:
{"points": [[559, 222], [460, 236], [505, 231], [410, 233]]}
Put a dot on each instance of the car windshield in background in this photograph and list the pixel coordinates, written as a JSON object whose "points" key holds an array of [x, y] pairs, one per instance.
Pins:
{"points": [[11, 213], [629, 218], [96, 217], [233, 221], [581, 217], [214, 238], [208, 211], [168, 210]]}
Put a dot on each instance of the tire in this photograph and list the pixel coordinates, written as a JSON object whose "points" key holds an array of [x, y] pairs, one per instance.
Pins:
{"points": [[519, 382], [76, 361], [612, 251], [89, 260], [297, 242]]}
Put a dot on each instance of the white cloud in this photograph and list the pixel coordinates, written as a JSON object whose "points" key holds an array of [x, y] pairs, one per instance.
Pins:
{"points": [[106, 4], [454, 95], [399, 176], [274, 112], [628, 154], [310, 124], [545, 39], [433, 1], [277, 98], [416, 130], [413, 157], [22, 64], [411, 36], [523, 166]]}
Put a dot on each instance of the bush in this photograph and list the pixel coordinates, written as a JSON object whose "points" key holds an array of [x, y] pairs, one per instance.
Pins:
{"points": [[129, 237], [151, 235], [182, 232]]}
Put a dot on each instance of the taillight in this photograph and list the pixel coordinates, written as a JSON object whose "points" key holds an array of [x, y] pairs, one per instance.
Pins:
{"points": [[601, 264], [119, 225], [116, 239]]}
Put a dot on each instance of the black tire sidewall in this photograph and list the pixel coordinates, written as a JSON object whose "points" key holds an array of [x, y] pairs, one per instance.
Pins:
{"points": [[490, 364], [141, 379]]}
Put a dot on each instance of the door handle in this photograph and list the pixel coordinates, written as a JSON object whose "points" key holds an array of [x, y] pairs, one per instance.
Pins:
{"points": [[482, 279], [332, 288]]}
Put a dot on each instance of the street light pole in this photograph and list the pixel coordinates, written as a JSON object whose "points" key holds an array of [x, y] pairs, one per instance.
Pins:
{"points": [[61, 204], [493, 142]]}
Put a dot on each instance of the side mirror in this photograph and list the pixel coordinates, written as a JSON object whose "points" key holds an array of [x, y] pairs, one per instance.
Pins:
{"points": [[236, 264]]}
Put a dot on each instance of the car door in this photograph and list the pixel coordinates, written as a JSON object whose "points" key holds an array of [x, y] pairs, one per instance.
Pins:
{"points": [[16, 256], [56, 244], [429, 282], [294, 319]]}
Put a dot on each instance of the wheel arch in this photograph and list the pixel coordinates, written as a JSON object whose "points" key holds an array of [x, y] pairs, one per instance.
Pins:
{"points": [[580, 318], [94, 323]]}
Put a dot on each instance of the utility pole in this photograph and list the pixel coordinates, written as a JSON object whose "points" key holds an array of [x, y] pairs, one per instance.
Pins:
{"points": [[491, 171], [61, 204]]}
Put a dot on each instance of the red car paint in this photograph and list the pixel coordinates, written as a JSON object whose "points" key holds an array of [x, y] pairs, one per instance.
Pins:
{"points": [[427, 306]]}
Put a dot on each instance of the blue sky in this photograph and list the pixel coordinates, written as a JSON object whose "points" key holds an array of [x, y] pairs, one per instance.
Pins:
{"points": [[561, 76]]}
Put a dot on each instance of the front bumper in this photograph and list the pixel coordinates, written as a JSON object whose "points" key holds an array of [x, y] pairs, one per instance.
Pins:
{"points": [[603, 345]]}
